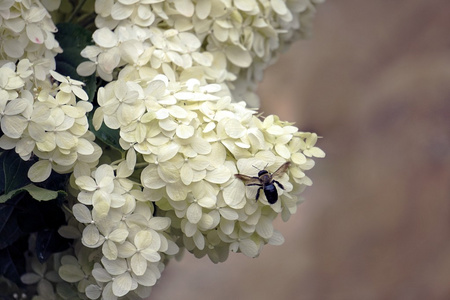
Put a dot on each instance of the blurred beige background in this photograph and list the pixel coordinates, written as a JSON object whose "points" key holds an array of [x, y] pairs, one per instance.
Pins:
{"points": [[374, 81]]}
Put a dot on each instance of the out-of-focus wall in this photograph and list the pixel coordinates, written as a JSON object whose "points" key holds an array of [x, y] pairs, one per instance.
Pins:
{"points": [[374, 81]]}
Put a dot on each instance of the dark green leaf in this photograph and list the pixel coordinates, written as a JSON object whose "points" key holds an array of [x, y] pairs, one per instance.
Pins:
{"points": [[73, 38], [12, 260], [73, 35], [9, 228], [48, 242], [14, 171], [34, 216]]}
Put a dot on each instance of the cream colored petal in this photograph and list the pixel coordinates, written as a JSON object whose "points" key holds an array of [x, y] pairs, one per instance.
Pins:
{"points": [[185, 131], [219, 175], [238, 56], [71, 273], [200, 145], [234, 195], [177, 191], [109, 250], [159, 223], [151, 179], [40, 171], [199, 240], [82, 213], [91, 236], [276, 239], [13, 126], [249, 248], [264, 227], [122, 284], [186, 174], [194, 213]]}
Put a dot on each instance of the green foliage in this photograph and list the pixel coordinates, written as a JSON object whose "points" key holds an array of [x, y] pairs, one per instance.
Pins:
{"points": [[14, 172], [27, 209], [73, 38]]}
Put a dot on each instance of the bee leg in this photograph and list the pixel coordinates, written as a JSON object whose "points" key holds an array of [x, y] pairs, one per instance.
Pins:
{"points": [[279, 184], [257, 193], [254, 184], [260, 188]]}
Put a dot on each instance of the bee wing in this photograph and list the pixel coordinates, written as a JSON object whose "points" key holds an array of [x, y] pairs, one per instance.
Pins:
{"points": [[248, 179], [282, 169]]}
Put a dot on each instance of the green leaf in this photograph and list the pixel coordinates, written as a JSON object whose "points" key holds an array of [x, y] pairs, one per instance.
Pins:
{"points": [[73, 35], [12, 260], [105, 134], [73, 38], [9, 228], [41, 194], [14, 171], [48, 242], [38, 193]]}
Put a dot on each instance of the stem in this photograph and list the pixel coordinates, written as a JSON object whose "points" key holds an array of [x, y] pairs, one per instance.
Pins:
{"points": [[75, 11]]}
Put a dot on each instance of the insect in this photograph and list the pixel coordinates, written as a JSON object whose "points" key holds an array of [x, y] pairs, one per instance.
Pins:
{"points": [[266, 182]]}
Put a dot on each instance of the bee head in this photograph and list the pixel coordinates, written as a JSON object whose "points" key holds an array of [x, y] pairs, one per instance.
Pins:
{"points": [[262, 172]]}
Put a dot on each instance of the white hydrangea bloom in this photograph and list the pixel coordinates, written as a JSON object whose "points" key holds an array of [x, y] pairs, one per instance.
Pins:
{"points": [[193, 140], [50, 124], [219, 41], [28, 32], [43, 277], [118, 219]]}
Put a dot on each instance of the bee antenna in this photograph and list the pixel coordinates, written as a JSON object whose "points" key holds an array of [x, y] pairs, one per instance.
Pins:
{"points": [[259, 168]]}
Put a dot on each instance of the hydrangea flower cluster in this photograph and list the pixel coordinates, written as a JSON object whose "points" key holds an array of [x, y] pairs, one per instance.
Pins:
{"points": [[50, 124], [27, 32], [173, 72], [214, 41], [134, 243], [192, 140]]}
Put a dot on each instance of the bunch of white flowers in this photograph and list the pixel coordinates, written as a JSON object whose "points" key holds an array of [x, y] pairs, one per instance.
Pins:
{"points": [[27, 31], [44, 119], [219, 41], [120, 220], [169, 77], [190, 140]]}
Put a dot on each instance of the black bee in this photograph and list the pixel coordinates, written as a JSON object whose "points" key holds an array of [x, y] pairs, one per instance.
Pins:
{"points": [[265, 181]]}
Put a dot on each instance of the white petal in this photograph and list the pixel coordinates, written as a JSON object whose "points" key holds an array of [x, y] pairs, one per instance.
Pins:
{"points": [[194, 213], [159, 223], [219, 175], [185, 131], [234, 195], [150, 178], [249, 248], [91, 236], [13, 126], [200, 145], [238, 56], [234, 128], [71, 273], [40, 171], [121, 12], [104, 37], [264, 227], [82, 213], [279, 7], [35, 33], [122, 284], [276, 239], [177, 191], [138, 264], [185, 7]]}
